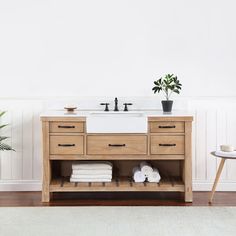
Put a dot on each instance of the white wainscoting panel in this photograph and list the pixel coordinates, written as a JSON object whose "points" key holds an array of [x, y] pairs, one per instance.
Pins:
{"points": [[214, 124], [21, 168]]}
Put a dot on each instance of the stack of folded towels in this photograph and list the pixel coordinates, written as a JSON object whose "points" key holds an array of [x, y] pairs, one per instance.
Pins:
{"points": [[91, 171], [145, 172]]}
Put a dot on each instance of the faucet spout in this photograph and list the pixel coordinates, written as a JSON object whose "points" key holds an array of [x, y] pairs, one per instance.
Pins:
{"points": [[116, 105]]}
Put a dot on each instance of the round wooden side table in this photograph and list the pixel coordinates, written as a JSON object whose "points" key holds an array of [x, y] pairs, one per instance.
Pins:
{"points": [[223, 159]]}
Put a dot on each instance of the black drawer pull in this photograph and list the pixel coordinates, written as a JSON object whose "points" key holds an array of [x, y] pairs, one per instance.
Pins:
{"points": [[167, 126], [167, 145], [66, 145], [66, 126], [116, 145]]}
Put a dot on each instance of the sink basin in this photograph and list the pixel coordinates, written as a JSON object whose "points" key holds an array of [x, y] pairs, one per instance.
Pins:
{"points": [[116, 122]]}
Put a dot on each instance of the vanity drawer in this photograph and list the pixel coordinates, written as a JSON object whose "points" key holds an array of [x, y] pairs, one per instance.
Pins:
{"points": [[116, 144], [167, 127], [66, 127], [66, 145], [167, 144]]}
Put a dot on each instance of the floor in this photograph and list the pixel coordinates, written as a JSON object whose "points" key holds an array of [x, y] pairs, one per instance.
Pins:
{"points": [[116, 199], [117, 221]]}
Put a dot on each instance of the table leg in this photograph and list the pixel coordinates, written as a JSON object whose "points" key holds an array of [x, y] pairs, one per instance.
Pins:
{"points": [[217, 179]]}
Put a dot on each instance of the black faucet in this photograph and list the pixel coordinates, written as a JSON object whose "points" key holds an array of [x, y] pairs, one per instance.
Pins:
{"points": [[116, 105], [106, 106], [126, 106]]}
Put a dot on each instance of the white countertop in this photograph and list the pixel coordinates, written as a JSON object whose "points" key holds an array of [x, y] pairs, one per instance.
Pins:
{"points": [[85, 113]]}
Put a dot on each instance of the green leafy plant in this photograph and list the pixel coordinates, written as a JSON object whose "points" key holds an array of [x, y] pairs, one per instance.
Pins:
{"points": [[4, 146], [168, 85]]}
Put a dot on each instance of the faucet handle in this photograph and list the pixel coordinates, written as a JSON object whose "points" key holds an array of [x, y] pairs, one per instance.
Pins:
{"points": [[106, 106], [126, 106]]}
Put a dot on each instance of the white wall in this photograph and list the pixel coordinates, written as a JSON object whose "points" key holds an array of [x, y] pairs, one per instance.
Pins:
{"points": [[90, 51], [106, 47]]}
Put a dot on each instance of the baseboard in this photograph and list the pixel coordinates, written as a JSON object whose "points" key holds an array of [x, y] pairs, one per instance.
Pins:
{"points": [[20, 185], [207, 186], [36, 185]]}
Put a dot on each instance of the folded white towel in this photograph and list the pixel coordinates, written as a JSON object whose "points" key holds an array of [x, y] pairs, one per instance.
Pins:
{"points": [[92, 165], [154, 177], [138, 175], [91, 176], [90, 180], [146, 168], [226, 154], [92, 172]]}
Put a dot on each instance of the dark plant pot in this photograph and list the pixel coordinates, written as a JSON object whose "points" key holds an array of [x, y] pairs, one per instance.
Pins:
{"points": [[167, 105]]}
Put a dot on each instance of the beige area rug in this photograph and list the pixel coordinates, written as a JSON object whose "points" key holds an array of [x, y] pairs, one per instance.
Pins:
{"points": [[117, 221]]}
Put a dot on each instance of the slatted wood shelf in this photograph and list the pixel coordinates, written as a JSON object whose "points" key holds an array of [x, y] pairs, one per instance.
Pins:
{"points": [[117, 185]]}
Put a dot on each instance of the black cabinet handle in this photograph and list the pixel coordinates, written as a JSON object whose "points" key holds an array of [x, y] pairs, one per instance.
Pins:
{"points": [[66, 145], [66, 126], [167, 126], [116, 145], [167, 145]]}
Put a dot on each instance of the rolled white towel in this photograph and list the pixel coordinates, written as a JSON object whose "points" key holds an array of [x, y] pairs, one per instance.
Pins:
{"points": [[154, 177], [138, 175], [92, 165], [146, 168], [92, 172], [73, 176], [90, 180]]}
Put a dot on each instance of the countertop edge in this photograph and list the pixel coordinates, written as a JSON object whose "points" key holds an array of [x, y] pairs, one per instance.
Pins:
{"points": [[152, 115]]}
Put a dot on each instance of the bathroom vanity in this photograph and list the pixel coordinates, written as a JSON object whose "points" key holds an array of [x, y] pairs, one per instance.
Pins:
{"points": [[162, 140]]}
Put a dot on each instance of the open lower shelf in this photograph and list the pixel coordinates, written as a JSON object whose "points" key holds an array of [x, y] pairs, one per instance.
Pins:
{"points": [[117, 185]]}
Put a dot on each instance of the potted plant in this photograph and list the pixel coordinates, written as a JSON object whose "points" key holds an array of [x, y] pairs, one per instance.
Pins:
{"points": [[168, 84], [4, 146]]}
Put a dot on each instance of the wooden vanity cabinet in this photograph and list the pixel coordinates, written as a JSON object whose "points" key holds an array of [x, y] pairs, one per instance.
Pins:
{"points": [[167, 146]]}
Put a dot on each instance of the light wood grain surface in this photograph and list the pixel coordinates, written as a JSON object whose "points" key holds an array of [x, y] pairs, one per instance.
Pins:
{"points": [[167, 146]]}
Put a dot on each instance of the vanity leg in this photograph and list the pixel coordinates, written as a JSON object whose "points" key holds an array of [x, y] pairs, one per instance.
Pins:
{"points": [[45, 195], [46, 164], [187, 175], [188, 196], [46, 181], [188, 193]]}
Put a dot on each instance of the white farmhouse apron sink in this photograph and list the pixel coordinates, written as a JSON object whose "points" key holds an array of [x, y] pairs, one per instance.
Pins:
{"points": [[117, 122]]}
